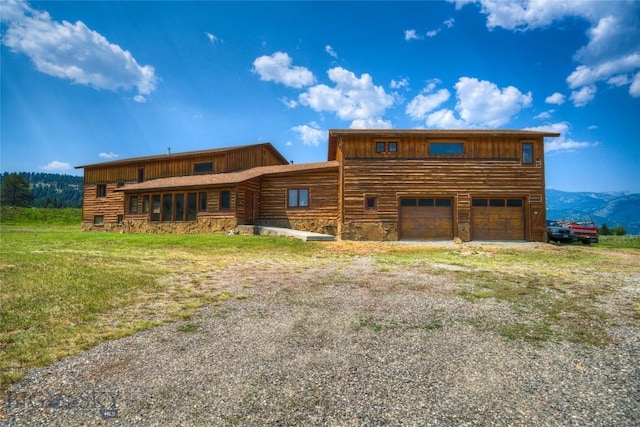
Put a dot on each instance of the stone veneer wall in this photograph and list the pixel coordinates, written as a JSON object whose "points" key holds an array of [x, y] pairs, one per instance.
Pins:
{"points": [[202, 225], [380, 231], [324, 226]]}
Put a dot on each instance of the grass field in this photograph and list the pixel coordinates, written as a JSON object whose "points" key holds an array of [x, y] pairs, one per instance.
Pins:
{"points": [[63, 290]]}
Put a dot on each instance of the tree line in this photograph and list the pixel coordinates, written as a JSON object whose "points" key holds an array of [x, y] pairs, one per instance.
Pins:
{"points": [[40, 190]]}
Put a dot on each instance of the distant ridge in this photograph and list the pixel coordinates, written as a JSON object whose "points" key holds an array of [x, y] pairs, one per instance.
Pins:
{"points": [[611, 208]]}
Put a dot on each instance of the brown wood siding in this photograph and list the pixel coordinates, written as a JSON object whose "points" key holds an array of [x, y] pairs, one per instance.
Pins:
{"points": [[392, 179], [323, 195], [181, 166], [417, 147], [109, 206]]}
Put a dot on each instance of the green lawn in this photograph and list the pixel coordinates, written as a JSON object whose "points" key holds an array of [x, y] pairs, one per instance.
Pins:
{"points": [[63, 290]]}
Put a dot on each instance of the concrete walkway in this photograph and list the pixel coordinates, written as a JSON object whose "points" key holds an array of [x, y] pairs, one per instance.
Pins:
{"points": [[302, 235]]}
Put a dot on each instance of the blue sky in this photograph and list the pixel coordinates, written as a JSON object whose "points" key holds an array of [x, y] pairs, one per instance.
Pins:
{"points": [[85, 82]]}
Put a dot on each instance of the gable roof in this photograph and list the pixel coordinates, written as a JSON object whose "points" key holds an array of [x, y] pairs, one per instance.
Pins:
{"points": [[267, 145], [228, 178], [335, 134]]}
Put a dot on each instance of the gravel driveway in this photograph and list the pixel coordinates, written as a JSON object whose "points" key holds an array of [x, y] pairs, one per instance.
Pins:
{"points": [[338, 344]]}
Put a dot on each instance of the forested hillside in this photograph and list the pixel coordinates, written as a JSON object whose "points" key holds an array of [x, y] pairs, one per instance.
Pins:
{"points": [[52, 190]]}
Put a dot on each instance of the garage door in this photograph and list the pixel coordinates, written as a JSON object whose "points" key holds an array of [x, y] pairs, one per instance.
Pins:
{"points": [[497, 219], [426, 218]]}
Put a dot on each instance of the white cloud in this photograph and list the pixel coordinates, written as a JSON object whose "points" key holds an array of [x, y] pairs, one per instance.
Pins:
{"points": [[562, 143], [583, 96], [351, 98], [212, 38], [330, 51], [613, 47], [110, 155], [411, 35], [56, 166], [445, 119], [290, 103], [449, 23], [73, 51], [419, 106], [402, 83], [556, 99], [544, 115], [277, 68], [310, 134], [432, 33], [592, 127], [634, 89], [371, 123], [482, 102]]}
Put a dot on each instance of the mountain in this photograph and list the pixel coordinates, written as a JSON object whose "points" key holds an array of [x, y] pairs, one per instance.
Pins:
{"points": [[615, 208], [52, 190]]}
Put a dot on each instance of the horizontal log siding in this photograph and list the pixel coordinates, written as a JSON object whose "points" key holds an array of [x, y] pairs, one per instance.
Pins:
{"points": [[110, 206], [460, 179], [323, 196], [416, 147], [181, 166]]}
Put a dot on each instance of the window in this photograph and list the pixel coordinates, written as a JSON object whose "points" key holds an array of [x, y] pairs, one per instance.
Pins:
{"points": [[179, 200], [443, 202], [203, 167], [446, 148], [202, 205], [145, 204], [527, 153], [298, 198], [371, 202], [192, 201], [225, 200], [155, 208], [386, 147], [98, 219], [480, 202], [133, 204], [101, 190], [514, 203], [140, 174], [408, 202], [167, 207], [496, 202], [120, 219]]}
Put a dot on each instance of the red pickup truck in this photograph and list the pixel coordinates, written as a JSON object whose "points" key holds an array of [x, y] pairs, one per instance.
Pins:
{"points": [[586, 231]]}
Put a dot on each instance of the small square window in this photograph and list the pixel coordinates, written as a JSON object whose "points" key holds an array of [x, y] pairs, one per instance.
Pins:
{"points": [[101, 190], [380, 147], [98, 219], [392, 147], [371, 202]]}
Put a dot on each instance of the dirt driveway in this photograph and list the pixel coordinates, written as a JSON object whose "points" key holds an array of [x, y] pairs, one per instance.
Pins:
{"points": [[353, 342]]}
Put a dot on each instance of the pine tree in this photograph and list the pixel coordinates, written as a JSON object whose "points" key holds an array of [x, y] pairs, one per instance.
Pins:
{"points": [[15, 191]]}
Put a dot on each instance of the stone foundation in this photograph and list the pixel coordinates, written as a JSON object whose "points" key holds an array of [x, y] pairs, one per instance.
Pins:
{"points": [[379, 231], [464, 231], [202, 225]]}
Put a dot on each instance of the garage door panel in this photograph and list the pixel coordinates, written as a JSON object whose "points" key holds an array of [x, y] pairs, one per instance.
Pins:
{"points": [[498, 220], [426, 222]]}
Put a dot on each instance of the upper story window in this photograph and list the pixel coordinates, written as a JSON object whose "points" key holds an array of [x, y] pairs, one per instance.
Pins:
{"points": [[446, 148], [203, 167], [386, 147], [527, 153], [101, 190], [140, 174]]}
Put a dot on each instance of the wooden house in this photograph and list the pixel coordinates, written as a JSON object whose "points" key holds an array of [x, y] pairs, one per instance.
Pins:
{"points": [[440, 184], [376, 185]]}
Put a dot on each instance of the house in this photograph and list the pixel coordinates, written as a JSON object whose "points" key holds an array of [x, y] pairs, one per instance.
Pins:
{"points": [[375, 185]]}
